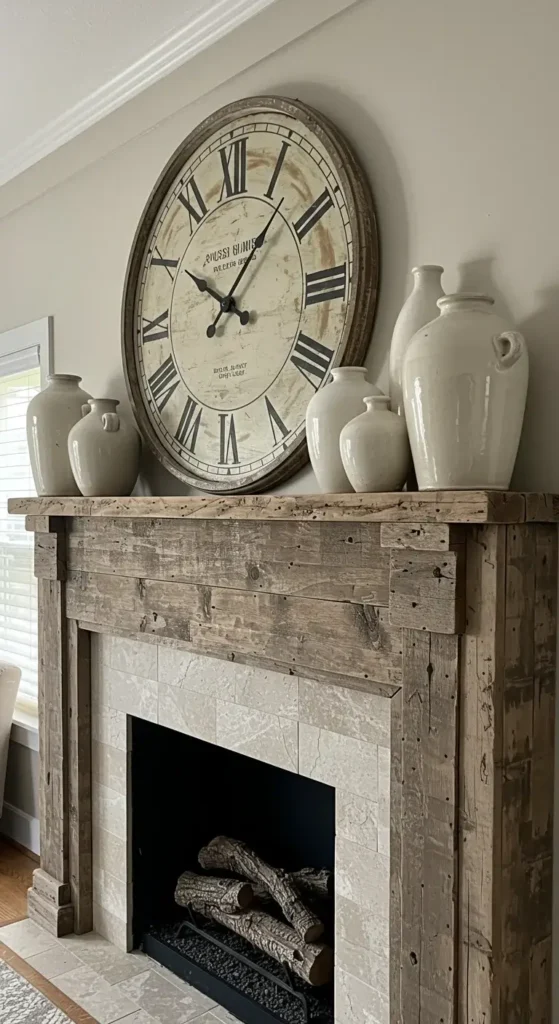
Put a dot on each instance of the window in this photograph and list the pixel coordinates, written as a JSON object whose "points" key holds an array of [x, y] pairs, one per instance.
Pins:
{"points": [[21, 374]]}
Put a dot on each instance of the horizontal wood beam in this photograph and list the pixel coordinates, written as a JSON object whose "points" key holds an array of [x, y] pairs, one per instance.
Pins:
{"points": [[399, 507], [292, 634]]}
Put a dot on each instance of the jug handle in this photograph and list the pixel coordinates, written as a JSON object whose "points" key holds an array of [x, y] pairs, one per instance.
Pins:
{"points": [[85, 409], [111, 422], [509, 346]]}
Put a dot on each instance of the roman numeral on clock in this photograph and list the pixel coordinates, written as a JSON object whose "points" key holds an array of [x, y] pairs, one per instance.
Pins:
{"points": [[164, 382], [228, 451], [156, 330], [234, 167], [191, 199], [311, 217], [312, 358], [162, 261], [279, 163], [189, 424], [275, 421], [324, 285]]}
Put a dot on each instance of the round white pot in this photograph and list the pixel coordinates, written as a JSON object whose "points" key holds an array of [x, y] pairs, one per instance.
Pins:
{"points": [[104, 451], [328, 411], [50, 416], [465, 379], [419, 308], [374, 448]]}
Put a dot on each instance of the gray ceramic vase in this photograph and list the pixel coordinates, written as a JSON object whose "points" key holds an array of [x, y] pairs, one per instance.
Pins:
{"points": [[104, 451], [51, 414]]}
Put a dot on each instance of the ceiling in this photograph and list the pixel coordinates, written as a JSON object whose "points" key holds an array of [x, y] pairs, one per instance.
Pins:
{"points": [[65, 64]]}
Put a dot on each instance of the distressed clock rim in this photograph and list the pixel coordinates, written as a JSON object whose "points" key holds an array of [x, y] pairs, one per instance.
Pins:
{"points": [[362, 302]]}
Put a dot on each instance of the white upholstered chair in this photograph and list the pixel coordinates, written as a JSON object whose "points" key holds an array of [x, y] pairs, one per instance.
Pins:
{"points": [[9, 683]]}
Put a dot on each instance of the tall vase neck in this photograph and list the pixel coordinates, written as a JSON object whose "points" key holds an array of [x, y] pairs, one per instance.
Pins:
{"points": [[64, 380], [103, 405], [465, 301], [340, 373], [427, 274]]}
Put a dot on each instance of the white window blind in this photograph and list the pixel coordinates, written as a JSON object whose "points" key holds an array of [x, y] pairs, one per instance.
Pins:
{"points": [[19, 381]]}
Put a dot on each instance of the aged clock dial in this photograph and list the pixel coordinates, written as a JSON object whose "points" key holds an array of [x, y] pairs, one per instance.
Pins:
{"points": [[252, 274]]}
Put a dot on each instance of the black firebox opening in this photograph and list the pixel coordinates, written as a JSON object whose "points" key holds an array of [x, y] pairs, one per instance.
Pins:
{"points": [[184, 793]]}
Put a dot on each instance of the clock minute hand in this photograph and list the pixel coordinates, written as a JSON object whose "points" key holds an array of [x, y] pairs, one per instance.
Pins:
{"points": [[203, 286], [225, 303]]}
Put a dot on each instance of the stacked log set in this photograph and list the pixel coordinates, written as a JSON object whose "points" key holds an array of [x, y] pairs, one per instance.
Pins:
{"points": [[238, 904]]}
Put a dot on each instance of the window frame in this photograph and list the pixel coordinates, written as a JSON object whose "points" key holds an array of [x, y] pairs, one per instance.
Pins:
{"points": [[38, 335]]}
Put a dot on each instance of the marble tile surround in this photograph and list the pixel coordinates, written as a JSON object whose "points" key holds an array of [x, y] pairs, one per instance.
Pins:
{"points": [[335, 735]]}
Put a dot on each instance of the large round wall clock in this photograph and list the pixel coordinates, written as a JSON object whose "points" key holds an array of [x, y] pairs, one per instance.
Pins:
{"points": [[252, 274]]}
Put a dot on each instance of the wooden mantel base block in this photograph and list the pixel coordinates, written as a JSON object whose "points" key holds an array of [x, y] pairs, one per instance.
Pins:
{"points": [[48, 904]]}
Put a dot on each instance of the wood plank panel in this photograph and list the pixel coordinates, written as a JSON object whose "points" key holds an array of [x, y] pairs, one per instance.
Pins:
{"points": [[482, 657], [428, 843], [427, 590], [335, 561], [424, 506], [53, 795], [79, 776], [291, 633]]}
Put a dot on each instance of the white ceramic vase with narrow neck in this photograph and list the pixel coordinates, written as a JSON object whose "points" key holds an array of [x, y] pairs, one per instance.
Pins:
{"points": [[419, 308], [104, 451], [51, 414], [374, 448], [465, 380], [328, 411]]}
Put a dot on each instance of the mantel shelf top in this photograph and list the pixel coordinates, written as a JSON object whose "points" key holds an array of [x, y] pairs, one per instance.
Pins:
{"points": [[398, 507]]}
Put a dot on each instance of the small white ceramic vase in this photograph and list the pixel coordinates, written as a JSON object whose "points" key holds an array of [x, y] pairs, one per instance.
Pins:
{"points": [[104, 451], [375, 449], [465, 380], [328, 411], [419, 308], [51, 414]]}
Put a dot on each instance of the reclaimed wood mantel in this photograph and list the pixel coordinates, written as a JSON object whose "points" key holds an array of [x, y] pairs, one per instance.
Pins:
{"points": [[444, 603]]}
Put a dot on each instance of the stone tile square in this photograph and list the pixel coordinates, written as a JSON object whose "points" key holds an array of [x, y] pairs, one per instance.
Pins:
{"points": [[54, 961], [257, 734], [364, 716], [163, 1000], [27, 938], [129, 692], [88, 989], [340, 761], [187, 711], [138, 657], [109, 765], [210, 676], [357, 819], [357, 1003], [362, 876], [109, 810], [108, 725]]}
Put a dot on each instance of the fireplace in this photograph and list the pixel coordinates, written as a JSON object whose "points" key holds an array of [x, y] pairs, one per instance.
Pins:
{"points": [[184, 793]]}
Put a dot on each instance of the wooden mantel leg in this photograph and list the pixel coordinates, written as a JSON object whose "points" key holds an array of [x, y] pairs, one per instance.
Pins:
{"points": [[60, 898]]}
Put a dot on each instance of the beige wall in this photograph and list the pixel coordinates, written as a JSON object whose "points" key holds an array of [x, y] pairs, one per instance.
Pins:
{"points": [[452, 107]]}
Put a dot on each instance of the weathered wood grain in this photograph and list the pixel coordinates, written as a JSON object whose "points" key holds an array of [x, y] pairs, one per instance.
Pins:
{"points": [[396, 895], [428, 871], [50, 555], [423, 506], [506, 784], [332, 561], [419, 536], [427, 590], [291, 633], [79, 776]]}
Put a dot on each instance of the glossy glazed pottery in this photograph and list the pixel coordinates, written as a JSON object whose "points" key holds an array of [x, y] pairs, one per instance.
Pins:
{"points": [[465, 378], [51, 414], [419, 308], [104, 451], [374, 448], [328, 411]]}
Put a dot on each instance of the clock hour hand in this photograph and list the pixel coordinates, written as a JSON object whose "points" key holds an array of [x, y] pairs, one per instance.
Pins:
{"points": [[203, 286], [225, 302]]}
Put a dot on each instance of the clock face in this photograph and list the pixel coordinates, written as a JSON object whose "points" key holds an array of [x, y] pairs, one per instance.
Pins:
{"points": [[253, 273]]}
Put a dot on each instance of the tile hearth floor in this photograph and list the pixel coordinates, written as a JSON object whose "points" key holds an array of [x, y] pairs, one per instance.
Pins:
{"points": [[111, 985]]}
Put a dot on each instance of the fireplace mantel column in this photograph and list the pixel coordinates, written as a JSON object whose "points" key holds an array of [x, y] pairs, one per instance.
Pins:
{"points": [[60, 898]]}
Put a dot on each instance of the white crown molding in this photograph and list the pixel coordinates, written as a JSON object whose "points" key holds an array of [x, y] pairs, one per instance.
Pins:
{"points": [[198, 34]]}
